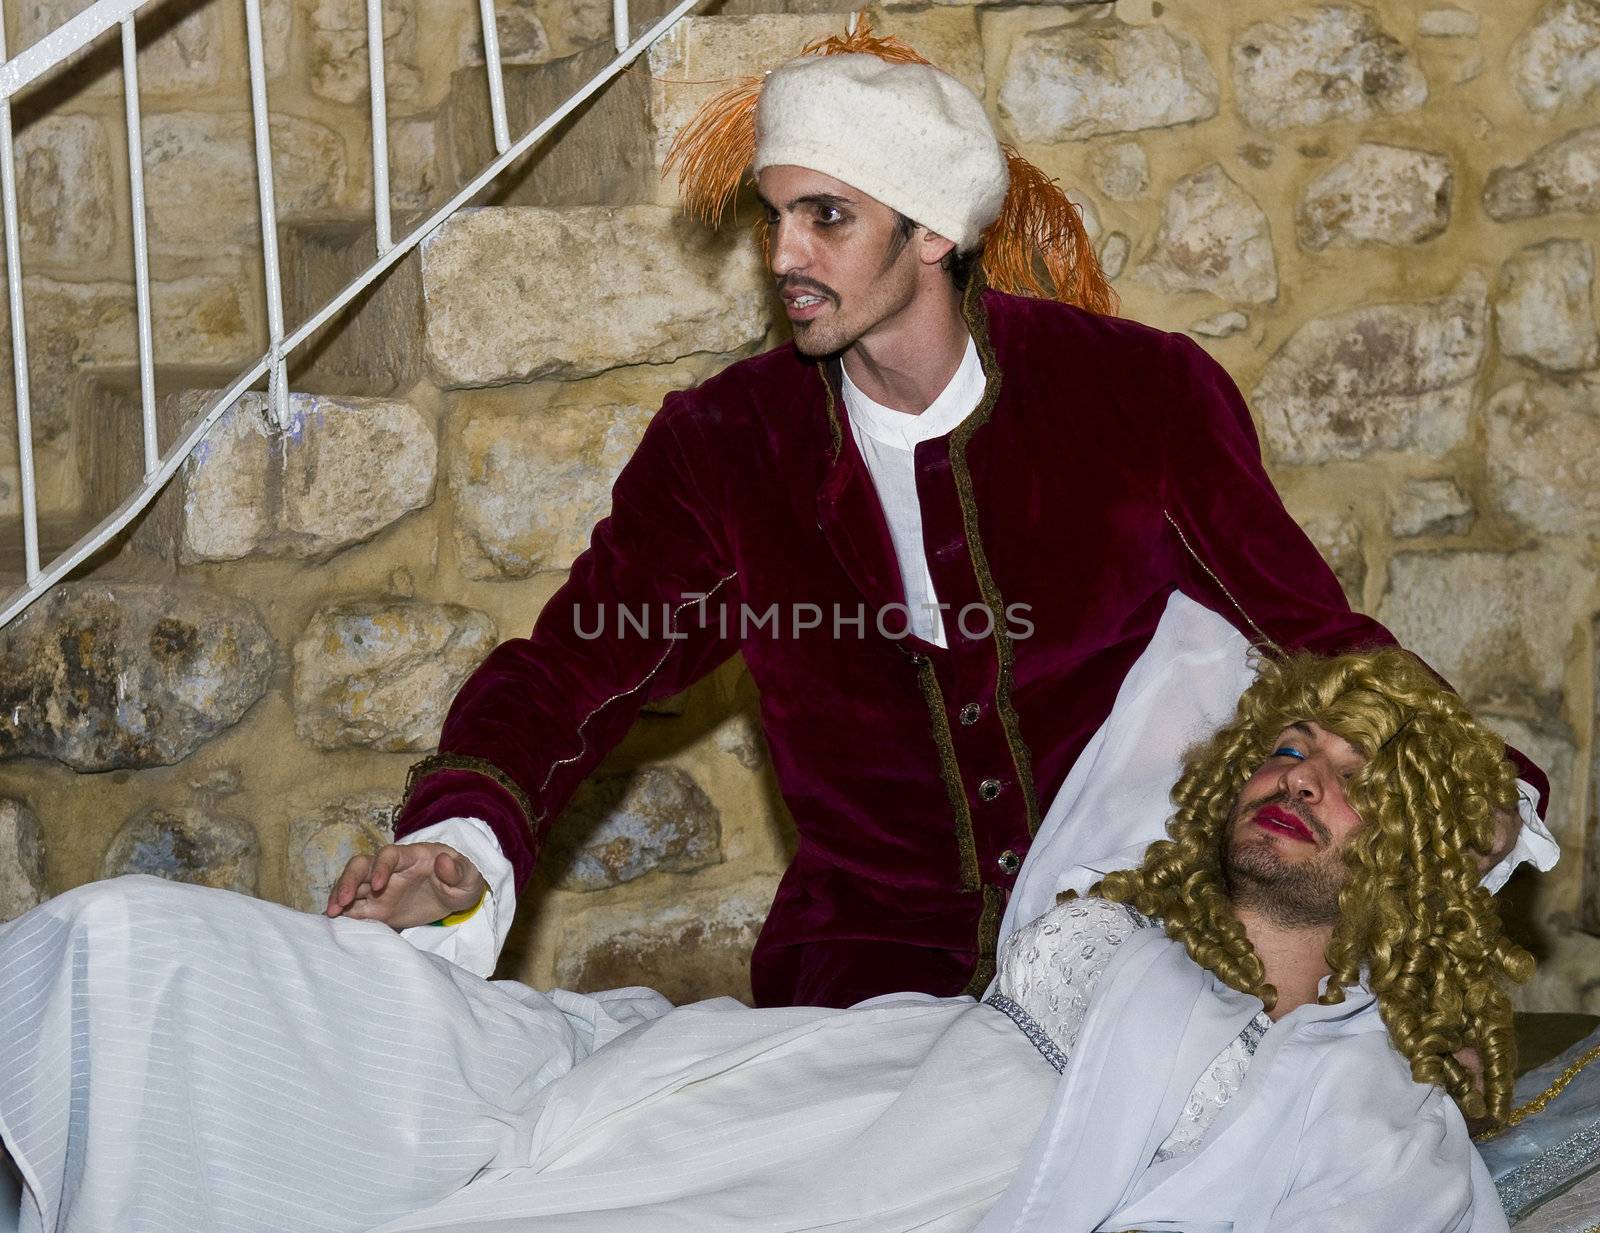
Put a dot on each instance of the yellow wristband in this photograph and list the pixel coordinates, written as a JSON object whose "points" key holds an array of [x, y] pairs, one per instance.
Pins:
{"points": [[455, 918]]}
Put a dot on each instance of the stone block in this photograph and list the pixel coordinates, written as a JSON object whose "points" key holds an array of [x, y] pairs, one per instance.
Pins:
{"points": [[1430, 507], [1066, 83], [1543, 455], [203, 319], [742, 738], [277, 27], [338, 50], [574, 25], [65, 190], [380, 674], [351, 467], [180, 48], [322, 843], [1121, 170], [601, 154], [1376, 378], [1213, 238], [187, 844], [1544, 307], [1322, 63], [183, 54], [619, 827], [1223, 325], [1496, 625], [1338, 539], [1378, 195], [1114, 254], [22, 884], [1558, 178], [637, 285], [374, 345], [528, 489], [518, 29], [1555, 62], [106, 675], [691, 947], [1448, 22], [344, 470], [416, 165], [200, 177], [227, 510]]}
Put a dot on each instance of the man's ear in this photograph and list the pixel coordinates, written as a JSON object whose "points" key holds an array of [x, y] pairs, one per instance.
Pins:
{"points": [[932, 248]]}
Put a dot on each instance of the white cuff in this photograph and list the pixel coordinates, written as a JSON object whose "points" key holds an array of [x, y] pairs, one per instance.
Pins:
{"points": [[1535, 843], [475, 943]]}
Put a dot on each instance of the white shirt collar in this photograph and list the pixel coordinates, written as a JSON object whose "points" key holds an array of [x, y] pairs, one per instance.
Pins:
{"points": [[898, 428]]}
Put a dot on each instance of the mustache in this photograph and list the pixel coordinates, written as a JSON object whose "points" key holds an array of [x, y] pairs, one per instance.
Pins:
{"points": [[793, 282], [1286, 803]]}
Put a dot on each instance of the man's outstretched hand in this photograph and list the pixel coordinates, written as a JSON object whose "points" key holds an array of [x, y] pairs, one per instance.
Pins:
{"points": [[406, 884]]}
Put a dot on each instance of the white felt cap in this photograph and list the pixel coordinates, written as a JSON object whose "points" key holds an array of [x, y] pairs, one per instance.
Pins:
{"points": [[910, 136]]}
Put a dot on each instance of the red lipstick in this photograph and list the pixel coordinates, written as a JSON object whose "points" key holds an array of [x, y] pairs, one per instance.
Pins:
{"points": [[1281, 822]]}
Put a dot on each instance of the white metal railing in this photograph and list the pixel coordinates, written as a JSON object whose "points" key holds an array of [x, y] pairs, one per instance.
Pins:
{"points": [[18, 71]]}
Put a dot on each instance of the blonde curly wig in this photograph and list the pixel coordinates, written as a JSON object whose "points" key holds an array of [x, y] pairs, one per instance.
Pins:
{"points": [[1414, 922]]}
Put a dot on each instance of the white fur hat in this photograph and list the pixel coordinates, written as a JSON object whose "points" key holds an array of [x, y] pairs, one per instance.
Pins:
{"points": [[909, 135]]}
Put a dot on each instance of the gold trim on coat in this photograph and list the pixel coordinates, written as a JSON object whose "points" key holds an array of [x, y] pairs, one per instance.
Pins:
{"points": [[950, 772], [1021, 758], [988, 937], [463, 762]]}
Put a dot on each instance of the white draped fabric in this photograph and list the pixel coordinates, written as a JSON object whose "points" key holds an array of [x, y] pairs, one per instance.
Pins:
{"points": [[227, 1065], [231, 1066]]}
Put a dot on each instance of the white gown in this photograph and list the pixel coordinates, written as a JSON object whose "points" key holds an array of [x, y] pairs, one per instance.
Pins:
{"points": [[177, 1058]]}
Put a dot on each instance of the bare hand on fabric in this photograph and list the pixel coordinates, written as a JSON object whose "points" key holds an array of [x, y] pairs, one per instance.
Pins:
{"points": [[406, 884]]}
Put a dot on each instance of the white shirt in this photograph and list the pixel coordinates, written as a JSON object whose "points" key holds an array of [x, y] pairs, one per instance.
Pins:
{"points": [[888, 440]]}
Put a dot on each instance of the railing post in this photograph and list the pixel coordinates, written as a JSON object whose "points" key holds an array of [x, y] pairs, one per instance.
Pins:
{"points": [[141, 245], [380, 126], [497, 87], [277, 383], [619, 24]]}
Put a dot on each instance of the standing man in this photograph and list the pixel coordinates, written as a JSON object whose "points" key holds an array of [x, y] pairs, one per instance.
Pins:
{"points": [[942, 526]]}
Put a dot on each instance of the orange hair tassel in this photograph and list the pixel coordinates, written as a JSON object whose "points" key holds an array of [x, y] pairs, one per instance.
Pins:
{"points": [[1038, 224]]}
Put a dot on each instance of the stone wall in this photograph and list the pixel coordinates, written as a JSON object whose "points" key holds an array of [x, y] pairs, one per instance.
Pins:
{"points": [[1381, 219]]}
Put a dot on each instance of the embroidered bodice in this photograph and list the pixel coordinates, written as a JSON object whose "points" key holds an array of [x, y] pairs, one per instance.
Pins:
{"points": [[1048, 972]]}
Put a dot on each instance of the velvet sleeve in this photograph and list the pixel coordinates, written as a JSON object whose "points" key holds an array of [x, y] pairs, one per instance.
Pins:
{"points": [[1236, 548], [637, 619]]}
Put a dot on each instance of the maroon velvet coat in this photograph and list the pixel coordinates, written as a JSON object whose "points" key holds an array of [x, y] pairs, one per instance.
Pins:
{"points": [[1108, 464]]}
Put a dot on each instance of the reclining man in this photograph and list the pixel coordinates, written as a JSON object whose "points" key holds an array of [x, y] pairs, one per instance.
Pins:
{"points": [[1257, 1027], [968, 512]]}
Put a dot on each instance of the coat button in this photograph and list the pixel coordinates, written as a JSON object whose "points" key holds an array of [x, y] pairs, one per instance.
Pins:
{"points": [[1009, 862], [988, 789], [970, 713]]}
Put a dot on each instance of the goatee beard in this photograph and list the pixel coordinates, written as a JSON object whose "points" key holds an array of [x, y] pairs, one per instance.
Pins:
{"points": [[1294, 895]]}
